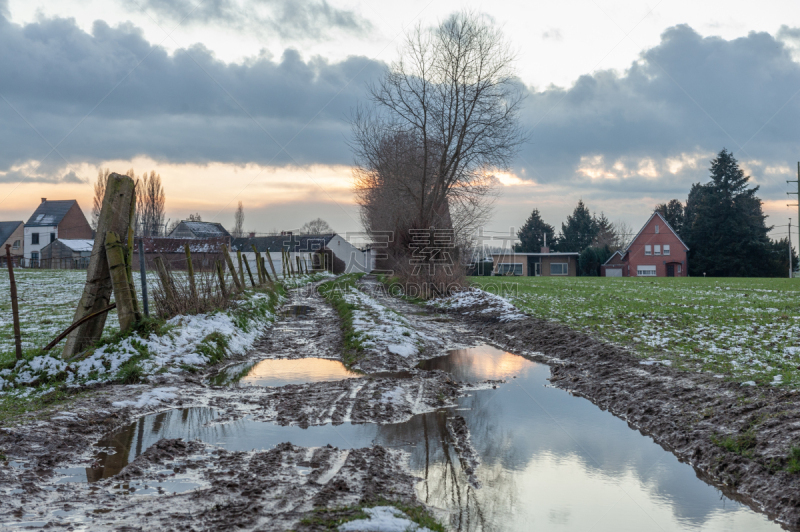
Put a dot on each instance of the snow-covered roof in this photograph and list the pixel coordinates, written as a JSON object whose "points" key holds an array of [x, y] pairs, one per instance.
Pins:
{"points": [[50, 213], [200, 229], [273, 244], [77, 244], [168, 244]]}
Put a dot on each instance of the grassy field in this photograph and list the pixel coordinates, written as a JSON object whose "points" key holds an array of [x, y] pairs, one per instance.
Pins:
{"points": [[744, 329], [47, 301]]}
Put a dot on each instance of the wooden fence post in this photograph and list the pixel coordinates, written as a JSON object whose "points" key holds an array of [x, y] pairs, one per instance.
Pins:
{"points": [[221, 277], [241, 267], [299, 265], [166, 280], [272, 266], [190, 270], [258, 268], [14, 307], [264, 267], [249, 273], [143, 274], [229, 261], [124, 295], [116, 215]]}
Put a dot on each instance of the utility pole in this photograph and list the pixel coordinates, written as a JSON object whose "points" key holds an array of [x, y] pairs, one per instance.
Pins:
{"points": [[794, 205]]}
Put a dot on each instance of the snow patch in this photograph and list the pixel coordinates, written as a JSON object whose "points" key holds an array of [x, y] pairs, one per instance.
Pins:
{"points": [[383, 519]]}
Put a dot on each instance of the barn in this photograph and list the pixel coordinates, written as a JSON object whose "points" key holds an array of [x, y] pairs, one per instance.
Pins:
{"points": [[656, 251]]}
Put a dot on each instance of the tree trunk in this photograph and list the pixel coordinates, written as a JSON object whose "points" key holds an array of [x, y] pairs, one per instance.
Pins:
{"points": [[116, 215]]}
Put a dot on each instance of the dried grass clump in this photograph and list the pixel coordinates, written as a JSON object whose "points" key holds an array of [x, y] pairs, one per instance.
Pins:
{"points": [[178, 299]]}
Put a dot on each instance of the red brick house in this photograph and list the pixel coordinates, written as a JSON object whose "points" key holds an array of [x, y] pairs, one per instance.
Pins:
{"points": [[656, 251]]}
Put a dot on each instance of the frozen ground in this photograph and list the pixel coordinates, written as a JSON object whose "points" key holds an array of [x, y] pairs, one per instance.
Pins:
{"points": [[748, 329]]}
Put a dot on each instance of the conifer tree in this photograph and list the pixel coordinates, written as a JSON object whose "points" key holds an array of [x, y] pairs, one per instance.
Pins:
{"points": [[531, 234], [579, 230], [673, 214]]}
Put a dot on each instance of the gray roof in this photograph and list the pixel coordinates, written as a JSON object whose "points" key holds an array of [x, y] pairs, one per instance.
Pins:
{"points": [[6, 230], [204, 229], [273, 244], [49, 213]]}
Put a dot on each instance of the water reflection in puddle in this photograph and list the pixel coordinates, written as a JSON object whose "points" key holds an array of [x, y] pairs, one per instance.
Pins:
{"points": [[280, 372], [296, 311], [550, 461]]}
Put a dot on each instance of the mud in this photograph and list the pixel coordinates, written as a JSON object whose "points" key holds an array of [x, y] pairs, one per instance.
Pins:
{"points": [[190, 485], [684, 412]]}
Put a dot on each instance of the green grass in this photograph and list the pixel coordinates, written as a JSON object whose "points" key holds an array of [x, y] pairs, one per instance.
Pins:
{"points": [[743, 329], [15, 409], [333, 291], [741, 444], [793, 461], [332, 518]]}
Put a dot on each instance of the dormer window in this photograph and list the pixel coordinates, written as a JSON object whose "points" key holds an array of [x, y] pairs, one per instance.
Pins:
{"points": [[656, 233], [39, 218], [648, 249]]}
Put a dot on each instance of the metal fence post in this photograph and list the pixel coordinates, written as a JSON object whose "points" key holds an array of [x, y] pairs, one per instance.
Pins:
{"points": [[143, 273]]}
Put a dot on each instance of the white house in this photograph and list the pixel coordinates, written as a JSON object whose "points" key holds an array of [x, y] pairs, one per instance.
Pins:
{"points": [[52, 220], [342, 256]]}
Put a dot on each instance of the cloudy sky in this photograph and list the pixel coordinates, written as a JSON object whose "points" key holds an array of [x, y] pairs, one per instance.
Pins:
{"points": [[229, 100]]}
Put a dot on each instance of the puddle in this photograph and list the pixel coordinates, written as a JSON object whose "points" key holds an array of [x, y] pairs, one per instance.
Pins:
{"points": [[280, 372], [549, 461], [296, 311]]}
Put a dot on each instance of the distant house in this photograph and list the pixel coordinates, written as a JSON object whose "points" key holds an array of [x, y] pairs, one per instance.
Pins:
{"points": [[11, 233], [656, 251], [205, 252], [51, 220], [66, 254], [546, 263], [190, 229], [340, 255]]}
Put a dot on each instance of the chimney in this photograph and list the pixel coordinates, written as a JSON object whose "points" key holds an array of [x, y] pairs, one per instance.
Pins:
{"points": [[545, 249], [44, 199]]}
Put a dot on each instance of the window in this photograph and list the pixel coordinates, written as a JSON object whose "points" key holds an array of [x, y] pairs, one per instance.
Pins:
{"points": [[559, 268], [657, 250], [509, 269], [52, 237], [16, 244], [34, 238], [35, 255], [646, 271], [666, 249], [648, 250], [656, 228]]}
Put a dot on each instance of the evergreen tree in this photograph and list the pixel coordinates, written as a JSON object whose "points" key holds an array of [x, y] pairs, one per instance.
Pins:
{"points": [[606, 234], [725, 226], [592, 258], [531, 234], [673, 214], [579, 230]]}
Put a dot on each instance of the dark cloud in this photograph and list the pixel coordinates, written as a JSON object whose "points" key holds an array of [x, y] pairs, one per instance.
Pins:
{"points": [[111, 94], [296, 19], [646, 132], [689, 95]]}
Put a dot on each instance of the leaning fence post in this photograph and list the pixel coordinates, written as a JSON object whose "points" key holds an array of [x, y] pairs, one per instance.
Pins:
{"points": [[14, 307], [221, 276], [143, 273], [272, 266], [124, 296], [258, 268], [264, 268], [129, 270], [241, 267], [229, 260], [190, 269], [116, 215], [166, 282], [249, 273]]}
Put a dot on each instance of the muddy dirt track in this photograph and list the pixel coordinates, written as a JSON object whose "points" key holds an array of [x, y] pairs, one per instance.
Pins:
{"points": [[276, 489]]}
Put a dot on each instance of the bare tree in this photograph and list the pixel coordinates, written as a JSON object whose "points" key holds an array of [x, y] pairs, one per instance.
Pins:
{"points": [[623, 233], [99, 193], [150, 200], [317, 226], [238, 225], [195, 217], [444, 118]]}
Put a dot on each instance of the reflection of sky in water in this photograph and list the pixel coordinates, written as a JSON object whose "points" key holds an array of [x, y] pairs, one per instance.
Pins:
{"points": [[550, 461], [556, 462], [281, 372]]}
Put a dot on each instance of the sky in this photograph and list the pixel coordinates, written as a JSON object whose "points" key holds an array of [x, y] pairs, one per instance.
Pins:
{"points": [[626, 102]]}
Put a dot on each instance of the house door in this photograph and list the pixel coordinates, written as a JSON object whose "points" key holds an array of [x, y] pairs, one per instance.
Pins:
{"points": [[670, 270], [537, 269]]}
